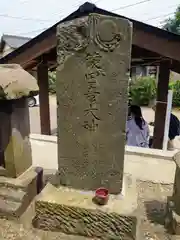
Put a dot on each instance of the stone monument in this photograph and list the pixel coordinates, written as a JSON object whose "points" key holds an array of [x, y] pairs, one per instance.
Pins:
{"points": [[94, 56], [172, 220], [17, 178]]}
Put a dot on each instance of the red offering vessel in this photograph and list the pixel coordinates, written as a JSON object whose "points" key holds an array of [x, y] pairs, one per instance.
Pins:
{"points": [[101, 196]]}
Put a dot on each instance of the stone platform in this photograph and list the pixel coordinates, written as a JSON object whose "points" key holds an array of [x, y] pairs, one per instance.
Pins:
{"points": [[16, 194], [73, 212]]}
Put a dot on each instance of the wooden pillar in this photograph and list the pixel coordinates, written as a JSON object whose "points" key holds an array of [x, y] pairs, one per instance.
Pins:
{"points": [[161, 104], [42, 76]]}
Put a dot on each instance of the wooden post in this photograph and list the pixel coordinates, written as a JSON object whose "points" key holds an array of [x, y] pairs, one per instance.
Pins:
{"points": [[39, 183], [161, 104], [42, 76]]}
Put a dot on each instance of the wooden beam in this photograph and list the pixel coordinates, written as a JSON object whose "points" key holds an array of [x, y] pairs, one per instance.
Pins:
{"points": [[138, 52], [146, 62], [33, 52], [29, 66], [159, 45], [175, 66], [53, 67], [42, 75], [161, 104], [145, 44]]}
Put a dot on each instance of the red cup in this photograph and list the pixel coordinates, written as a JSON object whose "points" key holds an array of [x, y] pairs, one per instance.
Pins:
{"points": [[101, 196]]}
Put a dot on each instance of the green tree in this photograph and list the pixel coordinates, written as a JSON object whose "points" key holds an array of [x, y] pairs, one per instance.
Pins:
{"points": [[173, 24], [142, 91], [52, 82]]}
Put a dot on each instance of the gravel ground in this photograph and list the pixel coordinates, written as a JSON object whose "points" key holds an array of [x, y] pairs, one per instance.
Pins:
{"points": [[151, 210]]}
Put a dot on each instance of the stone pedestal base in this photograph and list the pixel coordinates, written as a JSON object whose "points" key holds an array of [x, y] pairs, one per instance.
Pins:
{"points": [[16, 194], [73, 212], [172, 219]]}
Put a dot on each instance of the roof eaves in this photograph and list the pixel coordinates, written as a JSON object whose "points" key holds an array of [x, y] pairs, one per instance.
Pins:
{"points": [[84, 10], [43, 35], [15, 36], [2, 44]]}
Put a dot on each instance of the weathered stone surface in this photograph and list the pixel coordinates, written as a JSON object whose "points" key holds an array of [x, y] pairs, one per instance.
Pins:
{"points": [[73, 212], [92, 80], [176, 189], [15, 148], [9, 208], [15, 82], [172, 219], [3, 171], [17, 194]]}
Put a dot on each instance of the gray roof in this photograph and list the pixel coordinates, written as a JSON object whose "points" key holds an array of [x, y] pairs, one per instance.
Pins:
{"points": [[14, 41]]}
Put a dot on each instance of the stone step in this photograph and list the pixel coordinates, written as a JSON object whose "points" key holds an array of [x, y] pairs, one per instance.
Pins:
{"points": [[11, 201], [16, 195], [2, 171], [9, 184], [11, 193], [9, 208]]}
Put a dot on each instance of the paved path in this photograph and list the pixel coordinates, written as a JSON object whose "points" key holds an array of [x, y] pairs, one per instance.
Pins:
{"points": [[35, 117]]}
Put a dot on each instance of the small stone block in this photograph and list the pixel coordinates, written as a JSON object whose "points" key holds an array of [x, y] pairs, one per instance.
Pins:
{"points": [[176, 189], [173, 224], [9, 208], [17, 194], [10, 193], [176, 223], [172, 219]]}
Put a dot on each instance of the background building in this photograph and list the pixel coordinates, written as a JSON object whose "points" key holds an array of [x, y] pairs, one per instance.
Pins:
{"points": [[9, 43]]}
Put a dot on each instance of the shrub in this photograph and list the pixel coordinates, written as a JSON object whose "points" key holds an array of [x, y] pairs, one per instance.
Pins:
{"points": [[142, 90], [175, 86], [52, 82]]}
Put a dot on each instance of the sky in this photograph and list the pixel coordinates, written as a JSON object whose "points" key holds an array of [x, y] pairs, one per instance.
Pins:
{"points": [[30, 17]]}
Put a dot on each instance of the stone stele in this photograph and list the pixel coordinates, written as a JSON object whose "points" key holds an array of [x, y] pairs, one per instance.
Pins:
{"points": [[92, 81], [94, 56]]}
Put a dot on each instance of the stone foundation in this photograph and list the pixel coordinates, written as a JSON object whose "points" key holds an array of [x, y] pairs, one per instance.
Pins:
{"points": [[17, 194], [172, 219], [73, 212]]}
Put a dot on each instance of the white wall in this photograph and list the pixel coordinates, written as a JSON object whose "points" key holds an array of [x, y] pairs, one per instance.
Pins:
{"points": [[44, 151]]}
